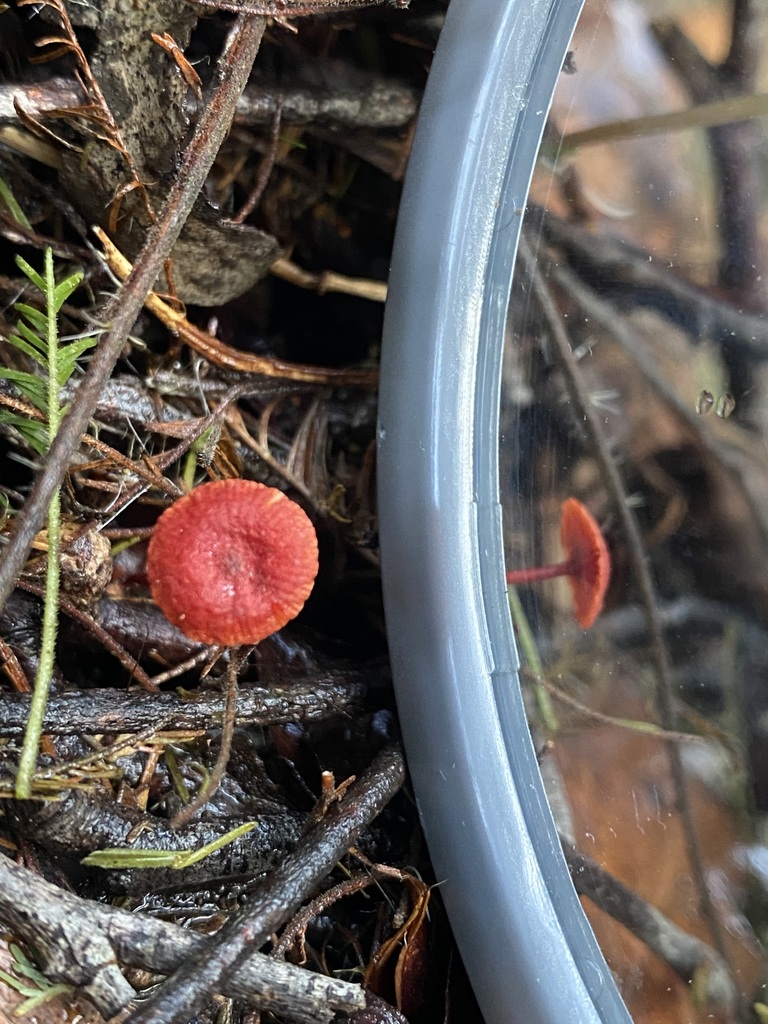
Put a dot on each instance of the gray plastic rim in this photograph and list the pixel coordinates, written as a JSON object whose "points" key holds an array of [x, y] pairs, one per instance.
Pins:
{"points": [[526, 944]]}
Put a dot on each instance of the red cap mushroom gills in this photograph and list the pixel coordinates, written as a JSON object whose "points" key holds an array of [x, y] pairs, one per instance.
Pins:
{"points": [[232, 562], [588, 558], [587, 564]]}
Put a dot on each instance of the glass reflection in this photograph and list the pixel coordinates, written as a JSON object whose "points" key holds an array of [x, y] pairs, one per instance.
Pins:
{"points": [[635, 381]]}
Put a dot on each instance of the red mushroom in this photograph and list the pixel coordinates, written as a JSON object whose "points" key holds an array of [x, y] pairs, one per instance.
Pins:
{"points": [[232, 562], [587, 564]]}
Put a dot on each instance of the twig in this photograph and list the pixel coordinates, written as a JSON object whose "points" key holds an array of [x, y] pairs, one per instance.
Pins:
{"points": [[278, 897], [93, 712], [213, 781], [376, 104], [220, 353], [329, 281], [81, 956], [107, 451], [182, 667], [155, 480], [36, 98], [114, 648], [664, 690], [633, 725], [52, 779], [703, 115], [14, 671], [79, 941], [294, 8], [265, 167], [300, 921], [684, 953], [605, 262], [121, 312], [194, 429]]}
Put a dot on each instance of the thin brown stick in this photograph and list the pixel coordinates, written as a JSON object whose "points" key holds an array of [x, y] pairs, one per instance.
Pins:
{"points": [[114, 648], [197, 428], [13, 669], [329, 281], [265, 167], [293, 8], [128, 532], [221, 354], [184, 666], [315, 907], [703, 115], [643, 727], [684, 953], [380, 103], [130, 465], [153, 478], [227, 731]]}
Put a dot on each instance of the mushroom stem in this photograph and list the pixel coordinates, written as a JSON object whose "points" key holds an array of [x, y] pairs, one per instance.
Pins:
{"points": [[540, 572]]}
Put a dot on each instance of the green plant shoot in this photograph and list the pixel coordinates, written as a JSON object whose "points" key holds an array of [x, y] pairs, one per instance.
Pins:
{"points": [[531, 655], [37, 988], [7, 198], [37, 335], [117, 857]]}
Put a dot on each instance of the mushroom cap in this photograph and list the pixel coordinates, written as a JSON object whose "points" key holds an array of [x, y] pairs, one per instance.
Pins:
{"points": [[232, 562], [589, 564]]}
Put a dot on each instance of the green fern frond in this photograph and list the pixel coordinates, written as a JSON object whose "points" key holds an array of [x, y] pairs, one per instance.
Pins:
{"points": [[32, 336], [37, 336]]}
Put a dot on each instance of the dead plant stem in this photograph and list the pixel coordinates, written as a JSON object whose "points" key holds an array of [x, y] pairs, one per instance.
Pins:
{"points": [[213, 782]]}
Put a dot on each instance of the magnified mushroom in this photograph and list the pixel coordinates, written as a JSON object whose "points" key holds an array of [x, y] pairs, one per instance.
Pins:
{"points": [[587, 564]]}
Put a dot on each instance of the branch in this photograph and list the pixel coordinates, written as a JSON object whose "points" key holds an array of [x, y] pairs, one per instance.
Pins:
{"points": [[608, 263], [92, 712], [78, 942], [380, 103], [280, 894], [684, 953]]}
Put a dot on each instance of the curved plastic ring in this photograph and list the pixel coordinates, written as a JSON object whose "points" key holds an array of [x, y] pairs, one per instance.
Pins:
{"points": [[526, 944]]}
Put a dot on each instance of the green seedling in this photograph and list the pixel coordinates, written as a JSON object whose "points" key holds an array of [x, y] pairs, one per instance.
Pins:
{"points": [[176, 859], [37, 336]]}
